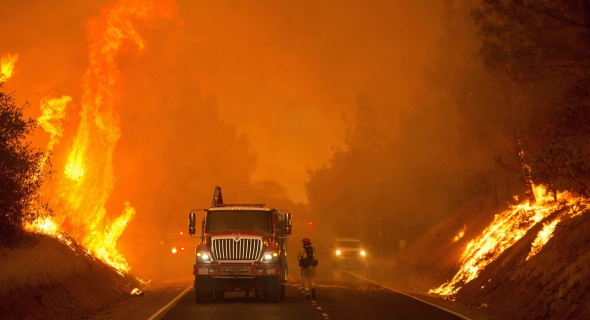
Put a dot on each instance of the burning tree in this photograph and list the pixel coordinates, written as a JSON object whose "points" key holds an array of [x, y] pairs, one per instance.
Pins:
{"points": [[20, 179]]}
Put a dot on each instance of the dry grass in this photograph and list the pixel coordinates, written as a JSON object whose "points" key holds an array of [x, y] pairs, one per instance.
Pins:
{"points": [[43, 261]]}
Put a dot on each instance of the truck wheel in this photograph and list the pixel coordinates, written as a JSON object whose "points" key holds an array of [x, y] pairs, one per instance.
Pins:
{"points": [[282, 293], [200, 291], [272, 290], [219, 294]]}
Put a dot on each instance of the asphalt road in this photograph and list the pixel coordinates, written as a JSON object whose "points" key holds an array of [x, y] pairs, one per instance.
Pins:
{"points": [[340, 295]]}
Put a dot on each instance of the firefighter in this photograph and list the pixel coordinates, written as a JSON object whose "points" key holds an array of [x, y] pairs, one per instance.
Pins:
{"points": [[308, 262]]}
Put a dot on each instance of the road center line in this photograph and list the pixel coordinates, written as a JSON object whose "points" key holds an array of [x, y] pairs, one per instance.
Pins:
{"points": [[166, 307], [407, 295]]}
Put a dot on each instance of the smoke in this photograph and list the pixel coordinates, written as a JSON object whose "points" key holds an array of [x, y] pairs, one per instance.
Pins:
{"points": [[252, 96]]}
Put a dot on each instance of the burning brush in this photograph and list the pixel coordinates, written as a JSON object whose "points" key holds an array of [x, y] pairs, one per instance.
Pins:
{"points": [[508, 227]]}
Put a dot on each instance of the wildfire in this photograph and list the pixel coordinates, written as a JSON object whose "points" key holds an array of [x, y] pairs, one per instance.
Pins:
{"points": [[52, 110], [43, 225], [88, 180], [460, 234], [542, 237], [7, 66], [507, 228]]}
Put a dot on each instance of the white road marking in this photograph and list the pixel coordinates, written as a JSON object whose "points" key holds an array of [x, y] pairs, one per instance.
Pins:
{"points": [[407, 295], [324, 314], [157, 314], [319, 308]]}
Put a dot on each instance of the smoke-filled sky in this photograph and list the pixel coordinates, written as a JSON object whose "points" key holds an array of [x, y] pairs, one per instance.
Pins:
{"points": [[284, 73], [230, 93]]}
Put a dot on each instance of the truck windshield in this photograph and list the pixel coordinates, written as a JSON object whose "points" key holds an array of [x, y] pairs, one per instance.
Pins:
{"points": [[349, 244], [253, 220]]}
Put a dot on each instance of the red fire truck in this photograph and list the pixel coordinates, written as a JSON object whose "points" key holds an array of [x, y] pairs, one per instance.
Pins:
{"points": [[243, 248]]}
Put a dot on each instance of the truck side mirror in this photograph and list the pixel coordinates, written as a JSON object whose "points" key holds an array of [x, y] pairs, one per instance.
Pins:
{"points": [[288, 223], [191, 223]]}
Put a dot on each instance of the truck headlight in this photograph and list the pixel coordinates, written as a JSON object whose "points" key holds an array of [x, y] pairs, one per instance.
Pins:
{"points": [[270, 256], [363, 253], [338, 252], [203, 256]]}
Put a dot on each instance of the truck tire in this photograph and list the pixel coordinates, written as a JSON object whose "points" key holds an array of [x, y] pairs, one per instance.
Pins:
{"points": [[282, 293], [273, 289], [200, 291]]}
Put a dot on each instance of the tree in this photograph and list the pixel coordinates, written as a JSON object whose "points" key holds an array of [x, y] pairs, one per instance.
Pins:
{"points": [[20, 175], [544, 47]]}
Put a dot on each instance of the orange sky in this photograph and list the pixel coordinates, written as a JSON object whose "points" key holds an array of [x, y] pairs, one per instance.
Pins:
{"points": [[285, 73]]}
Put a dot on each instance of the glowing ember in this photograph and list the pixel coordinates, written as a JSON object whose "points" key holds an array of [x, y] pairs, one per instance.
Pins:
{"points": [[542, 237], [136, 292], [460, 234], [507, 228], [88, 173], [7, 66]]}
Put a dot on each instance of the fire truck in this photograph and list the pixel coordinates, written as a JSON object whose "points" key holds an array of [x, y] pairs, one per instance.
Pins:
{"points": [[243, 248]]}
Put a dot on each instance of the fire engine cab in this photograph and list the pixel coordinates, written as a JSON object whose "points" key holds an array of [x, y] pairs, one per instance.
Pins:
{"points": [[243, 248]]}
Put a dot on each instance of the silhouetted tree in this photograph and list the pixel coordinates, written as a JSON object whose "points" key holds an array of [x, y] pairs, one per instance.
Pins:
{"points": [[544, 47], [20, 178]]}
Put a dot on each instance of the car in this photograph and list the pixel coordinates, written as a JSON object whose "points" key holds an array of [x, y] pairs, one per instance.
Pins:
{"points": [[349, 253]]}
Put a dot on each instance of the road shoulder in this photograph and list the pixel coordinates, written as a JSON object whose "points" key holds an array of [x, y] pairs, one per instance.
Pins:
{"points": [[144, 306]]}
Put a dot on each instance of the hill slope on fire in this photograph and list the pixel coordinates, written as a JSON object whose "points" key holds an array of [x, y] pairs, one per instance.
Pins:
{"points": [[552, 284], [55, 278]]}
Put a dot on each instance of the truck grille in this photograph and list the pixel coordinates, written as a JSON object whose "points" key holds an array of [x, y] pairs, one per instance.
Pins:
{"points": [[243, 249], [351, 254]]}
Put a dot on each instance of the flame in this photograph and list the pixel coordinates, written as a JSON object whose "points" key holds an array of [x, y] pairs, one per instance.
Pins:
{"points": [[52, 110], [542, 237], [7, 66], [103, 244], [507, 228], [136, 292], [460, 234], [88, 179], [43, 225]]}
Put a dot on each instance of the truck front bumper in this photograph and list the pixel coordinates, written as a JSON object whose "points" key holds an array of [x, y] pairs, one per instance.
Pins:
{"points": [[232, 277], [236, 270]]}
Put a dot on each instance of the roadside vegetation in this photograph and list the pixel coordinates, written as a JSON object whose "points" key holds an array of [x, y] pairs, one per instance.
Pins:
{"points": [[20, 173], [54, 278], [38, 261]]}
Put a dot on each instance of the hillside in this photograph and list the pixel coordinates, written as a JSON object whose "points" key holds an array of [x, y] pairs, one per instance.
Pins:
{"points": [[54, 278], [553, 284]]}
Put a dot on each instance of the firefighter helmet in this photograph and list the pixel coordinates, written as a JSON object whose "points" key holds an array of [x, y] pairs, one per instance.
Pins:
{"points": [[306, 241]]}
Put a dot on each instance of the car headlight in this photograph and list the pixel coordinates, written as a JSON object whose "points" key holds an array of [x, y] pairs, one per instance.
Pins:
{"points": [[363, 253], [338, 252]]}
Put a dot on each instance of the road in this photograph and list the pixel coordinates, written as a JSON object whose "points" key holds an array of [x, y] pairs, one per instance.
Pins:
{"points": [[340, 295]]}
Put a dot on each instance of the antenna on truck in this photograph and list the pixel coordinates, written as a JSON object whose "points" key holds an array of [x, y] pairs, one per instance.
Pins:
{"points": [[217, 197]]}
